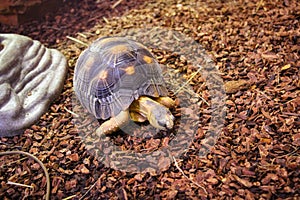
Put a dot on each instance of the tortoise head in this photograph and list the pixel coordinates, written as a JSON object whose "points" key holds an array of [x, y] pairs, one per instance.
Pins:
{"points": [[161, 118]]}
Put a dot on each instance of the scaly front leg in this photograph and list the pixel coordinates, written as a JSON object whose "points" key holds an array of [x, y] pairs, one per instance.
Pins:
{"points": [[113, 124]]}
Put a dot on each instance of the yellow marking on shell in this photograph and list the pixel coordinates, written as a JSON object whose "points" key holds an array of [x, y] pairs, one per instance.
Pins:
{"points": [[103, 75], [119, 48], [129, 70], [89, 62], [147, 59]]}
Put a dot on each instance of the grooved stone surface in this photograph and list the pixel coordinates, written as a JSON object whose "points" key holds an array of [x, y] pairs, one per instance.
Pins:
{"points": [[31, 76]]}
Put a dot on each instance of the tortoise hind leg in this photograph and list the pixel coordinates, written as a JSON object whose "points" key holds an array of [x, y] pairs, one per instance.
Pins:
{"points": [[113, 123]]}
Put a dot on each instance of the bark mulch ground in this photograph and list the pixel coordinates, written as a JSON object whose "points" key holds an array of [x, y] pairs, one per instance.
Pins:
{"points": [[255, 46]]}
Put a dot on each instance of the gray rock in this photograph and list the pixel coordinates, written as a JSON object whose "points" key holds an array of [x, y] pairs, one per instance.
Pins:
{"points": [[31, 76]]}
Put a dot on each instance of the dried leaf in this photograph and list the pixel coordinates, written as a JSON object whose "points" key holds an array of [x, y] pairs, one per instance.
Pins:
{"points": [[235, 86], [70, 184], [269, 56], [244, 182], [268, 178], [73, 157], [296, 139]]}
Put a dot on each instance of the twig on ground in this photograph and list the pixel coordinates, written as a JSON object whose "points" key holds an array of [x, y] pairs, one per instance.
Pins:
{"points": [[116, 4], [70, 197], [177, 166], [78, 41], [71, 112], [189, 80], [19, 184], [105, 19], [88, 190], [82, 35]]}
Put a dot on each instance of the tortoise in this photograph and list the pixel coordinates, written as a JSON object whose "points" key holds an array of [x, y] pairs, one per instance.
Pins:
{"points": [[118, 78]]}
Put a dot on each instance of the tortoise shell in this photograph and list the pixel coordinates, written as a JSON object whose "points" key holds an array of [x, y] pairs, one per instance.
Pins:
{"points": [[113, 72]]}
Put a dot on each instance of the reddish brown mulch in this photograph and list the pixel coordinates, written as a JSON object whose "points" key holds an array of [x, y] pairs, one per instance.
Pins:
{"points": [[257, 155], [72, 17]]}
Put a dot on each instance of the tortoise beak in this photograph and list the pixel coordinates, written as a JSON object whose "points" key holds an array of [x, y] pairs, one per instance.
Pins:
{"points": [[166, 123], [170, 122]]}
